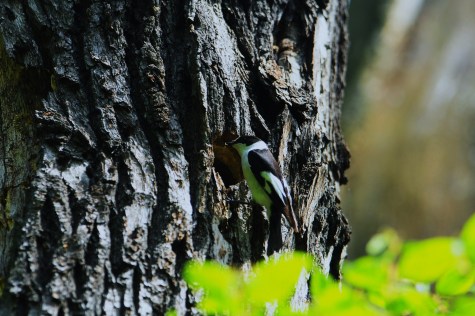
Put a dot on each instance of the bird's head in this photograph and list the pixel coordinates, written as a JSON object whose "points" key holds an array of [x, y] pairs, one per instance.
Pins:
{"points": [[243, 143]]}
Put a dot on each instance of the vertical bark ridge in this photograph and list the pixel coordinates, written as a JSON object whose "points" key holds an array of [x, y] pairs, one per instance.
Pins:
{"points": [[153, 95]]}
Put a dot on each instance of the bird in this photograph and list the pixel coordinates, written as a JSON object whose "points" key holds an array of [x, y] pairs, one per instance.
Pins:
{"points": [[268, 187]]}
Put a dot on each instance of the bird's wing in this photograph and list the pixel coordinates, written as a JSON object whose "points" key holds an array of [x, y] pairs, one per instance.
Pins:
{"points": [[267, 171]]}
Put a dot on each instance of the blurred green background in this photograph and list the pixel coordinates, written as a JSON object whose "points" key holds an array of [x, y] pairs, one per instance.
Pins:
{"points": [[409, 118]]}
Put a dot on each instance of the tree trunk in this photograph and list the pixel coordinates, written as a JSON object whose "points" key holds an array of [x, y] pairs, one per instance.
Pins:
{"points": [[113, 120]]}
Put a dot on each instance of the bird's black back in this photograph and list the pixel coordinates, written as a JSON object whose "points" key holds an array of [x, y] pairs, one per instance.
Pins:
{"points": [[265, 162]]}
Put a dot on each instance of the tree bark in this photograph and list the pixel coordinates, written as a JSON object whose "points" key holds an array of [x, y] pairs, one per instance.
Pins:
{"points": [[113, 119]]}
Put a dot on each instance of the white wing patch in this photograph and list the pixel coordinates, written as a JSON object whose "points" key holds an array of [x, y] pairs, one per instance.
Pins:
{"points": [[272, 180]]}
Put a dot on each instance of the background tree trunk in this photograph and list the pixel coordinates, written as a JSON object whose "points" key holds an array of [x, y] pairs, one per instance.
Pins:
{"points": [[113, 120]]}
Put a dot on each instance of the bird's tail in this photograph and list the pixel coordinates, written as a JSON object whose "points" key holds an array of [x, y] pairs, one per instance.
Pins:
{"points": [[289, 210], [275, 233], [290, 215]]}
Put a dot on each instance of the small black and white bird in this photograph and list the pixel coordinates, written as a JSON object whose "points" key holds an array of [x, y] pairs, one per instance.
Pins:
{"points": [[267, 185]]}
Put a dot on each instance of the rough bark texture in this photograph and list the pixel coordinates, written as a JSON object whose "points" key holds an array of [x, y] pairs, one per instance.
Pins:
{"points": [[113, 119]]}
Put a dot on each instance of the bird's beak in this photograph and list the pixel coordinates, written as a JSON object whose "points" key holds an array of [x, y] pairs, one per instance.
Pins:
{"points": [[230, 143]]}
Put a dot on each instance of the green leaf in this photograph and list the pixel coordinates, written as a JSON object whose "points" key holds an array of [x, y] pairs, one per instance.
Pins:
{"points": [[369, 273], [221, 284], [468, 237], [276, 279], [385, 243], [171, 312], [320, 282], [463, 306], [456, 281], [333, 299], [411, 302], [427, 260]]}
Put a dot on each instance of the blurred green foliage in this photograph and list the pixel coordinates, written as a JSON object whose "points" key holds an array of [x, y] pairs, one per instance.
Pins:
{"points": [[434, 276], [408, 120]]}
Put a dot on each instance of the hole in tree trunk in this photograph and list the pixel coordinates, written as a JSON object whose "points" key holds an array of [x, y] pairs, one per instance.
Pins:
{"points": [[227, 162]]}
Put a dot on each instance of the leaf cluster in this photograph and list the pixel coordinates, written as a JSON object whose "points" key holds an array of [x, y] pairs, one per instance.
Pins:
{"points": [[434, 276]]}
